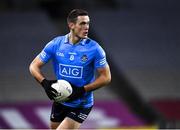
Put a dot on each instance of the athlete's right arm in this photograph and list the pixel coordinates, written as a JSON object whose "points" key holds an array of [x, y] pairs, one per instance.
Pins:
{"points": [[35, 69], [40, 60]]}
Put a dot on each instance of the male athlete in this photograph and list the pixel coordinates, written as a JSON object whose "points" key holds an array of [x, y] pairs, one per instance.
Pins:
{"points": [[75, 58]]}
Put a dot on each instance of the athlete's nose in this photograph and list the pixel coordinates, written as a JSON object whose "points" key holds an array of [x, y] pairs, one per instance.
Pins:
{"points": [[86, 26]]}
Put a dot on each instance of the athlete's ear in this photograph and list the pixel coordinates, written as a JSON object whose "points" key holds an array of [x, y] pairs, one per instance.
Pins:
{"points": [[71, 25]]}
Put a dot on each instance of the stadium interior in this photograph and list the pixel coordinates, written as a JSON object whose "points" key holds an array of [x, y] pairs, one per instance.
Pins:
{"points": [[141, 39]]}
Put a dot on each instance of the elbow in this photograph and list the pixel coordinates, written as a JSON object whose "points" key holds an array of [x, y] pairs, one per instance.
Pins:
{"points": [[108, 77], [31, 68], [108, 80]]}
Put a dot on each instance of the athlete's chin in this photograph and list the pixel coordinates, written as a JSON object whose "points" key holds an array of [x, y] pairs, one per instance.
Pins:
{"points": [[84, 36]]}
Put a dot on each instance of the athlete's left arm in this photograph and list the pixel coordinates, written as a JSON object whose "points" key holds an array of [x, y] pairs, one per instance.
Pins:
{"points": [[103, 78]]}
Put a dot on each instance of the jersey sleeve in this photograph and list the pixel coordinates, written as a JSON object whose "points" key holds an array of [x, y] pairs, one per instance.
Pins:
{"points": [[47, 52], [100, 58]]}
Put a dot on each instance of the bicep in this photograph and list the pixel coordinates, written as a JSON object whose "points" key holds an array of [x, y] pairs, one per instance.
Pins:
{"points": [[37, 62], [35, 69], [105, 71]]}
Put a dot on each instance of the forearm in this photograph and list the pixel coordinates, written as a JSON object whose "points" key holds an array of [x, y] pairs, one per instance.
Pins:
{"points": [[98, 83], [35, 69], [104, 77], [36, 73]]}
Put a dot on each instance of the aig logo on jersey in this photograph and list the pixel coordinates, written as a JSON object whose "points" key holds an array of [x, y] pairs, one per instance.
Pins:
{"points": [[70, 71]]}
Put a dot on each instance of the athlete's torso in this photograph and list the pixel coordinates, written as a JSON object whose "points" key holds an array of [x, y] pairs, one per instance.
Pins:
{"points": [[75, 63]]}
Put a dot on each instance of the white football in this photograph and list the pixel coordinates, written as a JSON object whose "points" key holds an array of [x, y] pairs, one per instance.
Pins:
{"points": [[63, 88]]}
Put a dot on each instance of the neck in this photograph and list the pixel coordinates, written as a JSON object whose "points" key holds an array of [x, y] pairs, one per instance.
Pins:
{"points": [[73, 39]]}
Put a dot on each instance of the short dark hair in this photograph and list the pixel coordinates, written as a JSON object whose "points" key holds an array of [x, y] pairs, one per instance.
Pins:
{"points": [[72, 17]]}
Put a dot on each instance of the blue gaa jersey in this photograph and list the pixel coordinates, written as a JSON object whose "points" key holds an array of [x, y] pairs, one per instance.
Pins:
{"points": [[75, 63]]}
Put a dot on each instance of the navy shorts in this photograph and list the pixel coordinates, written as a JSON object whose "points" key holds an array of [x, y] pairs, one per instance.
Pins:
{"points": [[60, 111]]}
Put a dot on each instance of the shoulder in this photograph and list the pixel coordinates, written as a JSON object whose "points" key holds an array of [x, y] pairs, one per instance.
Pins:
{"points": [[92, 43], [96, 44], [53, 44], [56, 41]]}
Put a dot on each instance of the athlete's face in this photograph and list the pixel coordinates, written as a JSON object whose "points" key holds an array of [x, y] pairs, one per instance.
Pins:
{"points": [[81, 26]]}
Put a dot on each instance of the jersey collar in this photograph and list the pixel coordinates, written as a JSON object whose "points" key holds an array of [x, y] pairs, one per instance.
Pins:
{"points": [[81, 42]]}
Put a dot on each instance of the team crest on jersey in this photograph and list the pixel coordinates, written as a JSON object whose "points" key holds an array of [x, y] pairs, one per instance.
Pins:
{"points": [[84, 58]]}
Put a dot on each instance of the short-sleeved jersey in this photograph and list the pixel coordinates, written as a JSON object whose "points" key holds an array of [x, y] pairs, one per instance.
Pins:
{"points": [[75, 63]]}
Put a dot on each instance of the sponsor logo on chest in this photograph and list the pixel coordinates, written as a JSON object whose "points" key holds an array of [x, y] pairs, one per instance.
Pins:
{"points": [[70, 71]]}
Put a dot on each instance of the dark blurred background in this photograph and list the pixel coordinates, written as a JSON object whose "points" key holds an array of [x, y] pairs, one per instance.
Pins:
{"points": [[141, 39]]}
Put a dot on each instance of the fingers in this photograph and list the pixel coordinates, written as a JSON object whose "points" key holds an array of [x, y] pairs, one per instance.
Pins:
{"points": [[53, 81], [51, 94], [54, 94], [53, 90]]}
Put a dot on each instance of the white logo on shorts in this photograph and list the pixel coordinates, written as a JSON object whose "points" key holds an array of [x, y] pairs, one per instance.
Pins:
{"points": [[52, 116], [82, 116]]}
